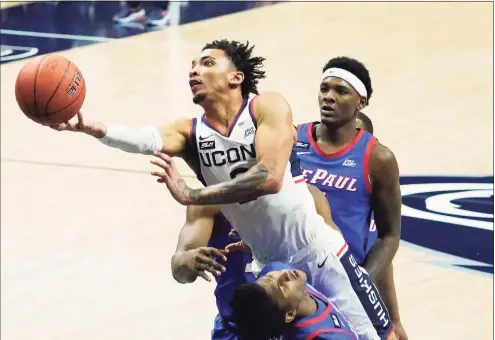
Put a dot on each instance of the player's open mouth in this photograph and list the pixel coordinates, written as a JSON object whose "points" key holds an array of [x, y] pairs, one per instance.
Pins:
{"points": [[194, 84], [327, 108]]}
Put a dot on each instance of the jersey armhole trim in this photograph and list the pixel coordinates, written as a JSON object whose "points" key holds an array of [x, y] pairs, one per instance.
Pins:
{"points": [[192, 133], [366, 165], [251, 111], [314, 334], [318, 318]]}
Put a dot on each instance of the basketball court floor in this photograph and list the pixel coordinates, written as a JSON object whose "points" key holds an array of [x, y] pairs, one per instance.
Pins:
{"points": [[87, 234]]}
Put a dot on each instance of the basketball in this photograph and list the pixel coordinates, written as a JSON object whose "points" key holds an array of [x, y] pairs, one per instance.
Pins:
{"points": [[50, 89]]}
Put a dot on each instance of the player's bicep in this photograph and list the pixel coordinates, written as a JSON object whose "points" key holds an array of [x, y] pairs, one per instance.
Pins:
{"points": [[197, 228], [274, 133], [386, 196], [174, 137]]}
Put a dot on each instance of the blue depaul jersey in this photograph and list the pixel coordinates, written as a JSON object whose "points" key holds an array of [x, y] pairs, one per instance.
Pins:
{"points": [[327, 323], [343, 178], [235, 266]]}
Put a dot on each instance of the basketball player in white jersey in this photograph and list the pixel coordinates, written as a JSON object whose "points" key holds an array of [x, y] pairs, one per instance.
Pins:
{"points": [[244, 145]]}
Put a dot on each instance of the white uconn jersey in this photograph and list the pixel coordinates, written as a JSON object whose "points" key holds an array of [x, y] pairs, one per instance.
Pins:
{"points": [[277, 226]]}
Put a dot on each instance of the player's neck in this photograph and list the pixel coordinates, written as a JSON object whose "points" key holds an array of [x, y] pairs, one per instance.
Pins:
{"points": [[307, 307], [222, 110], [338, 136]]}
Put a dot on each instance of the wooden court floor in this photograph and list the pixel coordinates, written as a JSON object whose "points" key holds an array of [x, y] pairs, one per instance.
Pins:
{"points": [[87, 234]]}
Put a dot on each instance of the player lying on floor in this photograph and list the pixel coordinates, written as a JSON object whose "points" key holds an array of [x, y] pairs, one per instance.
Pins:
{"points": [[281, 305]]}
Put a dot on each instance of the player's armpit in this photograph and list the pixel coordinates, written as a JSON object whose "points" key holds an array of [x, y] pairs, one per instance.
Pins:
{"points": [[322, 206], [386, 201], [175, 137]]}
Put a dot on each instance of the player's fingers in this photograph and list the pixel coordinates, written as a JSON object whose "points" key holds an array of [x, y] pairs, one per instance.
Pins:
{"points": [[233, 247], [80, 118], [160, 174], [162, 156], [202, 259], [204, 275], [208, 268], [58, 127], [214, 252], [158, 162], [238, 246], [71, 126]]}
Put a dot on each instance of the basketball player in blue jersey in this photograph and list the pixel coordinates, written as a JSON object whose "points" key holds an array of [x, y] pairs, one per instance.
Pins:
{"points": [[244, 143], [280, 304], [359, 175]]}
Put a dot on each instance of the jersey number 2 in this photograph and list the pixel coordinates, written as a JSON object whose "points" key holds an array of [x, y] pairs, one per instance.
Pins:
{"points": [[237, 172]]}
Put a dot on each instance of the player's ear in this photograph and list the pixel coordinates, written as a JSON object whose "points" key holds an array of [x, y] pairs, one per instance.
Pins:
{"points": [[290, 316], [363, 102], [236, 78]]}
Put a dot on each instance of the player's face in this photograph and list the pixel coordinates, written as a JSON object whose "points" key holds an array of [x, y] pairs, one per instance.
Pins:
{"points": [[339, 102], [287, 287], [211, 72]]}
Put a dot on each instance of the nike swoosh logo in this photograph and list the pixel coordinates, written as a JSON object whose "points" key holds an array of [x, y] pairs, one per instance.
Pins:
{"points": [[321, 265], [203, 138]]}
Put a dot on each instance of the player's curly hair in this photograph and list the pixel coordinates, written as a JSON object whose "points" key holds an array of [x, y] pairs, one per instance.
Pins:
{"points": [[240, 55], [255, 314], [355, 67]]}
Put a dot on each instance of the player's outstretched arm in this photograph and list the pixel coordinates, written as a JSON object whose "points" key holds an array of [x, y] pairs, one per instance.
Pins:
{"points": [[192, 256], [170, 139], [322, 206], [386, 201], [273, 144]]}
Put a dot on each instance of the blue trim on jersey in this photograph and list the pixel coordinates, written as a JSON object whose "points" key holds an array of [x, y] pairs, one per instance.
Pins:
{"points": [[251, 112], [194, 145], [295, 163]]}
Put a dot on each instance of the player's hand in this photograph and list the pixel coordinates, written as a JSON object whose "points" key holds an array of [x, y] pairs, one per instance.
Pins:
{"points": [[202, 260], [171, 177], [97, 130], [400, 332], [77, 126], [238, 246]]}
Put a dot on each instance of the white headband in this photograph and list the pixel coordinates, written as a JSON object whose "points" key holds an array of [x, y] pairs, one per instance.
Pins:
{"points": [[348, 77]]}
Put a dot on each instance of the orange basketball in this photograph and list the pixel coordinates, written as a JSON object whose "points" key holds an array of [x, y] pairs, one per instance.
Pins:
{"points": [[50, 89]]}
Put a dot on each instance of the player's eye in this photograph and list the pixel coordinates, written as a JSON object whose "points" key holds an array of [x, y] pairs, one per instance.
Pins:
{"points": [[208, 63]]}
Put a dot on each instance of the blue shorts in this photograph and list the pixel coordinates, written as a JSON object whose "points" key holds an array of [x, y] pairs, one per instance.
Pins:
{"points": [[220, 333]]}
